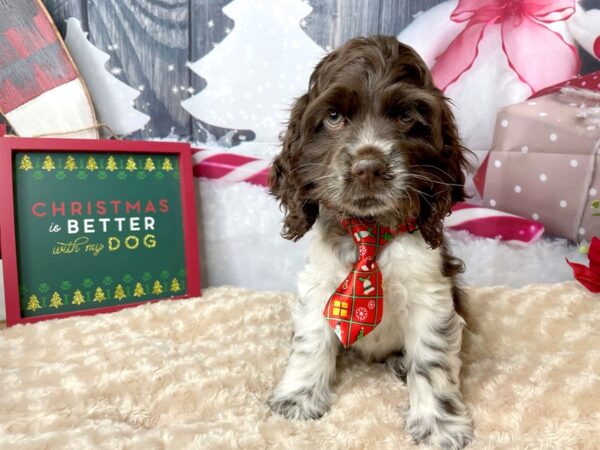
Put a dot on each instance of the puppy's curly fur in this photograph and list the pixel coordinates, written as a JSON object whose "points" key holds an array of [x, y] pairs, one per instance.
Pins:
{"points": [[373, 137], [385, 84]]}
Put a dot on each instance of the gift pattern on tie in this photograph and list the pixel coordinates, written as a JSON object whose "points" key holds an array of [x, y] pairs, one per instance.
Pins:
{"points": [[356, 307]]}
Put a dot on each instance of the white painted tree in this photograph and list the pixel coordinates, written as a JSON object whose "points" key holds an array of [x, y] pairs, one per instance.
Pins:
{"points": [[255, 73], [113, 99]]}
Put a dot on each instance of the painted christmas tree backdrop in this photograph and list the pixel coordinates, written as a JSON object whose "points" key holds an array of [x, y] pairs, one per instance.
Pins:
{"points": [[254, 74], [151, 44], [113, 99]]}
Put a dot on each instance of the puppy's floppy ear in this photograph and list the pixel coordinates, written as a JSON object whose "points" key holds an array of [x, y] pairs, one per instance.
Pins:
{"points": [[447, 175], [300, 213]]}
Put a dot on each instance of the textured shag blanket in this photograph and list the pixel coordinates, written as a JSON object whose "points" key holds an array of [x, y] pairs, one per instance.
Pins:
{"points": [[196, 374]]}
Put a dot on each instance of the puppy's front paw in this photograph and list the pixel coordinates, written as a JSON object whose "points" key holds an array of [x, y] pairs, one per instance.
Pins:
{"points": [[298, 406], [448, 433], [397, 364]]}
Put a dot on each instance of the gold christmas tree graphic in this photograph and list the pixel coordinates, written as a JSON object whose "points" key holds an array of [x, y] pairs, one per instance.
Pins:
{"points": [[119, 292], [175, 285], [130, 165], [149, 165], [111, 164], [70, 164], [99, 295], [78, 298], [56, 301], [25, 163], [157, 288], [48, 164], [33, 304], [139, 290], [91, 164], [167, 166]]}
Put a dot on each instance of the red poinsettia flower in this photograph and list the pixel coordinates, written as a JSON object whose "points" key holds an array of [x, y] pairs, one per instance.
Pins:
{"points": [[589, 276]]}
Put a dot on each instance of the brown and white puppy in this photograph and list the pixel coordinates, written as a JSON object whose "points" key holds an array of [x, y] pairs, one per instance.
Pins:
{"points": [[373, 137]]}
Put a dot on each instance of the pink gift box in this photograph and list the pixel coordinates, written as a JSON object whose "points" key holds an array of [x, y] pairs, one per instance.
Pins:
{"points": [[544, 164]]}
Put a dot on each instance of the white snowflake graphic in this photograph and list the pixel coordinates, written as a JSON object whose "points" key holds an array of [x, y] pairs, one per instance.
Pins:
{"points": [[171, 67], [371, 304], [116, 71], [361, 313], [211, 23]]}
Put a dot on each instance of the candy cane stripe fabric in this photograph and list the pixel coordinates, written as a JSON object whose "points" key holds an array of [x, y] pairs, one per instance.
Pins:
{"points": [[356, 306]]}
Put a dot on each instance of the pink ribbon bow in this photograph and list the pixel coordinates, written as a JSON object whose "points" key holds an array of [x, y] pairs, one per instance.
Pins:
{"points": [[539, 56]]}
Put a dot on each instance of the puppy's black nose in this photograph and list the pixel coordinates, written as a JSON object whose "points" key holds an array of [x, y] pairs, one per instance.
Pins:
{"points": [[368, 170]]}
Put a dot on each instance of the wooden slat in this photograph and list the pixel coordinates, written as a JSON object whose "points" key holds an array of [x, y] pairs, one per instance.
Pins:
{"points": [[356, 18], [395, 15], [61, 10], [320, 25], [152, 49], [152, 34], [208, 26], [591, 4], [333, 22]]}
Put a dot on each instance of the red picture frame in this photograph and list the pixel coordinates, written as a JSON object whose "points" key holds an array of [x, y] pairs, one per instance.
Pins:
{"points": [[8, 238]]}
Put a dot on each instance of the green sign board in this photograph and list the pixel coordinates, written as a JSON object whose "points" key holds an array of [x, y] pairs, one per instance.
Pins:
{"points": [[97, 229]]}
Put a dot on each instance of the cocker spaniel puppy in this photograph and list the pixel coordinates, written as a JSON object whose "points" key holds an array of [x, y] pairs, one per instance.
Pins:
{"points": [[373, 141]]}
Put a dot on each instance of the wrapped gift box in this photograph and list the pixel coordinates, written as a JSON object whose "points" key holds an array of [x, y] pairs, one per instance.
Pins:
{"points": [[544, 161]]}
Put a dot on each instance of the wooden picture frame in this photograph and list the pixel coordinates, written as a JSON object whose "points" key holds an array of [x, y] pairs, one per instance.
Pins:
{"points": [[32, 168]]}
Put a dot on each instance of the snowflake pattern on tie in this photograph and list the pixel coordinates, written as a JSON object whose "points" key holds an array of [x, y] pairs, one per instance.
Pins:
{"points": [[356, 306]]}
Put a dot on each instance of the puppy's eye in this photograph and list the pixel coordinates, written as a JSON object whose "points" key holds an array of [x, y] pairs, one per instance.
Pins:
{"points": [[404, 117], [334, 120]]}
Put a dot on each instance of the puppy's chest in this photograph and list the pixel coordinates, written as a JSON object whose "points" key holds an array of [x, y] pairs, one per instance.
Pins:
{"points": [[406, 264], [398, 263]]}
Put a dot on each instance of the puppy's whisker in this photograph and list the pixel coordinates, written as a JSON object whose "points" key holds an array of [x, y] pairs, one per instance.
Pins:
{"points": [[309, 164], [432, 167], [429, 180], [295, 188], [422, 195], [409, 198], [425, 174]]}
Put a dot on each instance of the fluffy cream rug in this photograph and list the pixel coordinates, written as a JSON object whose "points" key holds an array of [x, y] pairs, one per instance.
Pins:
{"points": [[196, 374]]}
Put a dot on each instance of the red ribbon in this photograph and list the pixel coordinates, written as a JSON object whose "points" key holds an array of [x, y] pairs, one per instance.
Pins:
{"points": [[589, 276], [531, 48]]}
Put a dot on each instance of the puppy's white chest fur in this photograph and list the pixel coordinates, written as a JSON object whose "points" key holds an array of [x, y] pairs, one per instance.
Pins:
{"points": [[411, 274]]}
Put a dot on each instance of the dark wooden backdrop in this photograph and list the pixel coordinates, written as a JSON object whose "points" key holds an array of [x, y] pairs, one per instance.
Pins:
{"points": [[151, 41]]}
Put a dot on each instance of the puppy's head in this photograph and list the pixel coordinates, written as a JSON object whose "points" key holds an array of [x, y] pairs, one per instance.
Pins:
{"points": [[372, 137]]}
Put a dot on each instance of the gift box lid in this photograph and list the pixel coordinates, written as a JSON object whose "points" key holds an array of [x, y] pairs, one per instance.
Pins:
{"points": [[548, 124]]}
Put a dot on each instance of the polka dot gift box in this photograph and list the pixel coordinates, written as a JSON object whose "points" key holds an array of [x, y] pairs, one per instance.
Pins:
{"points": [[544, 163]]}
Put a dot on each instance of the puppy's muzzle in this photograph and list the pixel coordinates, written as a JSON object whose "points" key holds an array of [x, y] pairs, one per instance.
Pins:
{"points": [[369, 167]]}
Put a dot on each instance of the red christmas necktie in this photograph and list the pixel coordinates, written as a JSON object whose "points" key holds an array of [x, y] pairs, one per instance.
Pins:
{"points": [[356, 306]]}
